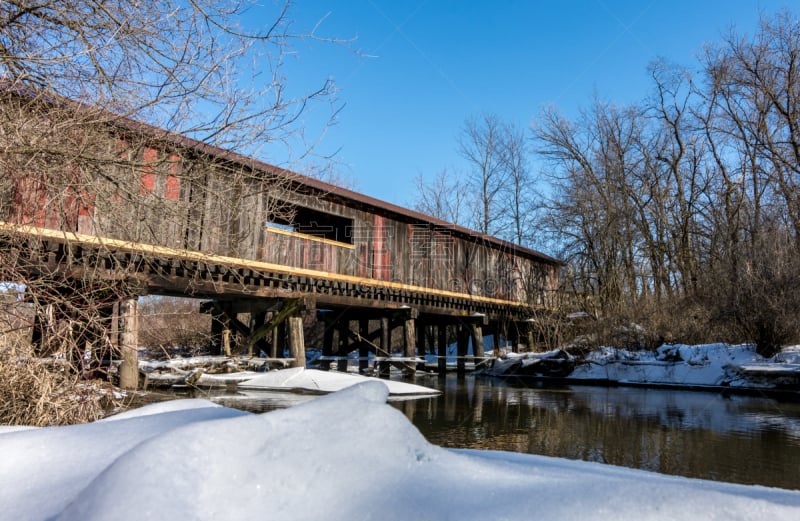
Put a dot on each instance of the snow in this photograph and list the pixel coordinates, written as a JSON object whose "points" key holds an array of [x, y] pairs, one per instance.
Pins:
{"points": [[706, 365], [299, 378], [343, 456]]}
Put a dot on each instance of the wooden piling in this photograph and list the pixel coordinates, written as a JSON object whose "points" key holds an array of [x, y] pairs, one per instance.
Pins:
{"points": [[421, 344], [328, 337], [441, 365], [274, 338], [363, 346], [409, 348], [531, 339], [129, 344], [344, 345], [384, 368], [463, 347], [226, 341], [297, 346], [477, 342], [217, 327]]}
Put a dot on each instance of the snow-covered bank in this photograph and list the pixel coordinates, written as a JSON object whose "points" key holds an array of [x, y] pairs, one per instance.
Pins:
{"points": [[343, 456], [226, 373], [711, 365], [314, 380]]}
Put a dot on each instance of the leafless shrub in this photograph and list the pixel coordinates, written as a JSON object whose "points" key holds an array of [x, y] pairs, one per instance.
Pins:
{"points": [[169, 325]]}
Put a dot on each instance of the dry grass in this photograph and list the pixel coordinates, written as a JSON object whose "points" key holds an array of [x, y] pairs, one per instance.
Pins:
{"points": [[31, 393], [40, 392]]}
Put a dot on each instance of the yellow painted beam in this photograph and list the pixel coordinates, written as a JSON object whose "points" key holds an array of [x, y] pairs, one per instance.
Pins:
{"points": [[137, 247], [308, 237]]}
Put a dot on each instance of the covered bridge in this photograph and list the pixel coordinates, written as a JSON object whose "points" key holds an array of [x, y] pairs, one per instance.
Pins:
{"points": [[118, 200]]}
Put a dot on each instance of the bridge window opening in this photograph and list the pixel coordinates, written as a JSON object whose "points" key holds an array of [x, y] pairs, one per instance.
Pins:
{"points": [[314, 223]]}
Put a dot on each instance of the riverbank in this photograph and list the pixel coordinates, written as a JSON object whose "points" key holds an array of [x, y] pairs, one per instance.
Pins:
{"points": [[713, 367]]}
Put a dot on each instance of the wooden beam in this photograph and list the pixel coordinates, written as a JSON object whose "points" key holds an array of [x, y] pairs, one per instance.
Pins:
{"points": [[289, 308]]}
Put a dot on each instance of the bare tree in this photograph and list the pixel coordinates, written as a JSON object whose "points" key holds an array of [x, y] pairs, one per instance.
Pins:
{"points": [[444, 197], [689, 198], [97, 102], [481, 145], [520, 197], [187, 67]]}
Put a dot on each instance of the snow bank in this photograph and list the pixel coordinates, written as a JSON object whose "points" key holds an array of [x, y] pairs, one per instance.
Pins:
{"points": [[299, 378], [43, 470], [707, 365], [343, 456], [697, 365]]}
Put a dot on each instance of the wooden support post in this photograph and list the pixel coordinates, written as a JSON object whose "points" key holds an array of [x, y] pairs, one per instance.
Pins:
{"points": [[409, 349], [226, 341], [386, 347], [477, 343], [422, 342], [273, 341], [129, 344], [279, 340], [477, 340], [363, 347], [217, 326], [531, 339], [463, 347], [344, 345], [513, 337], [258, 319], [328, 338], [496, 342], [442, 349], [421, 345], [297, 346]]}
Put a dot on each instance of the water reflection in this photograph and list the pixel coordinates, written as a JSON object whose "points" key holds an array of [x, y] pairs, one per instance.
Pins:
{"points": [[705, 435], [738, 439]]}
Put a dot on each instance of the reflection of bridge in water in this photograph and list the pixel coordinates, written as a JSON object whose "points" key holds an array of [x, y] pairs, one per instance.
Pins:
{"points": [[696, 434], [266, 247]]}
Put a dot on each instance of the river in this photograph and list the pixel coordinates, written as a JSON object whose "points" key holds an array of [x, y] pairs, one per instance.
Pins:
{"points": [[739, 439]]}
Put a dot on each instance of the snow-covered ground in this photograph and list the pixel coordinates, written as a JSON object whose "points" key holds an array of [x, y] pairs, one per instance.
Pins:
{"points": [[346, 455], [708, 365]]}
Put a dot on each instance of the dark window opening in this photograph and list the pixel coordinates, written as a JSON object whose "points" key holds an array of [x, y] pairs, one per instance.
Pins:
{"points": [[315, 223]]}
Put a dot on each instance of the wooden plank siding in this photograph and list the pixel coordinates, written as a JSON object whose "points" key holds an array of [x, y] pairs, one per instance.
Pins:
{"points": [[181, 194]]}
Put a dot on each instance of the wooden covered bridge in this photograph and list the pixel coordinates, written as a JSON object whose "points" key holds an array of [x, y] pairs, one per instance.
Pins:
{"points": [[162, 214]]}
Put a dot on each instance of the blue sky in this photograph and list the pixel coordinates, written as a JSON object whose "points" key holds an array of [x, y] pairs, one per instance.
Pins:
{"points": [[424, 67]]}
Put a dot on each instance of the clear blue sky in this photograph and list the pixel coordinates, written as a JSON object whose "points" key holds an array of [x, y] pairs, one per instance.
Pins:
{"points": [[429, 65]]}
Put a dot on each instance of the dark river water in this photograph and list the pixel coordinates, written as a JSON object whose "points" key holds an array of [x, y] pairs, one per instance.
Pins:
{"points": [[740, 439]]}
